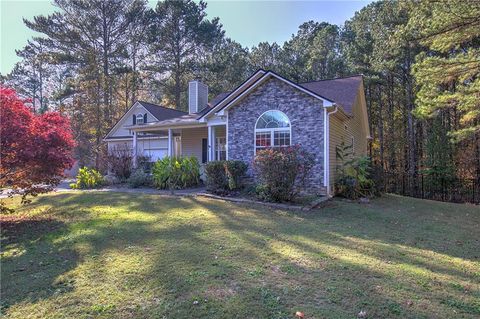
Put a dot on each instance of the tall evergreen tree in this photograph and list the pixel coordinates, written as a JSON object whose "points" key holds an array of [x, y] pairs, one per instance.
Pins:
{"points": [[265, 56], [179, 35], [449, 73], [91, 35]]}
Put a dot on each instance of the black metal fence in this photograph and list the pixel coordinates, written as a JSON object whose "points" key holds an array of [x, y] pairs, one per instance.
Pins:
{"points": [[433, 187]]}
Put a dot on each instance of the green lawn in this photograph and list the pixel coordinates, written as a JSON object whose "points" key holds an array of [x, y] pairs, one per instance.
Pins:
{"points": [[113, 255]]}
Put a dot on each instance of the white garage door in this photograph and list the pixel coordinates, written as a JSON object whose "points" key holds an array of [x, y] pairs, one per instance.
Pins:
{"points": [[156, 154]]}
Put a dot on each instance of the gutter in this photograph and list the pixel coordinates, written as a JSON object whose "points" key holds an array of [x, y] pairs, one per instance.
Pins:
{"points": [[326, 152]]}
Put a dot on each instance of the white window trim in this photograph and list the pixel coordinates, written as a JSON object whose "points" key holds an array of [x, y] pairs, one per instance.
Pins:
{"points": [[271, 130], [218, 151], [137, 117]]}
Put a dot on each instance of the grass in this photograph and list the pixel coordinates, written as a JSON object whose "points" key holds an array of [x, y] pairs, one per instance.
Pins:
{"points": [[113, 255]]}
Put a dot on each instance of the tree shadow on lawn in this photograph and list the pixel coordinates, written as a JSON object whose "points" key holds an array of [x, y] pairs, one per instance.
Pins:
{"points": [[245, 261], [31, 263], [418, 272]]}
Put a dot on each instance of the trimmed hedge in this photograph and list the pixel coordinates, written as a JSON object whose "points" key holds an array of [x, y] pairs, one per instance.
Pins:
{"points": [[225, 176]]}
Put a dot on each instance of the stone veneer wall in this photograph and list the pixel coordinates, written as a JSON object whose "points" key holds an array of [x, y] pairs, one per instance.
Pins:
{"points": [[306, 118]]}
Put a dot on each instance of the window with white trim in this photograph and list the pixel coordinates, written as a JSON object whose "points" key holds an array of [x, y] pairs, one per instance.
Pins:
{"points": [[221, 149], [139, 119], [272, 130]]}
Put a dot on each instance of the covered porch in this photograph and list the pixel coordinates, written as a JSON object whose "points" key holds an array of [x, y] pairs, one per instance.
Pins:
{"points": [[205, 142]]}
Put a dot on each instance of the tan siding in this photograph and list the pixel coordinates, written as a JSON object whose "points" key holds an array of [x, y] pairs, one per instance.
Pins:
{"points": [[337, 135], [192, 141], [220, 131], [355, 127]]}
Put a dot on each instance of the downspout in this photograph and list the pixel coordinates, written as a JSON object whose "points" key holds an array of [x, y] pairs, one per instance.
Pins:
{"points": [[326, 155]]}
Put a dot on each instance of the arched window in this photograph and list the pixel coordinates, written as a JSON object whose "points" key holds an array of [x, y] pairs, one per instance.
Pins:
{"points": [[140, 118], [272, 130]]}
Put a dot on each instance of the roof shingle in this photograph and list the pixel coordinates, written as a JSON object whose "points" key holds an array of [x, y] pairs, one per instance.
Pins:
{"points": [[161, 112], [342, 90]]}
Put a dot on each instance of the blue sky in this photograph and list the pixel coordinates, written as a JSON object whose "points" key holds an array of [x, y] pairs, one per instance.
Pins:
{"points": [[247, 22]]}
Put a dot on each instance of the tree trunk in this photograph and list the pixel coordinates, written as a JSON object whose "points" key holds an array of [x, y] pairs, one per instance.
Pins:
{"points": [[380, 126], [411, 138], [391, 126]]}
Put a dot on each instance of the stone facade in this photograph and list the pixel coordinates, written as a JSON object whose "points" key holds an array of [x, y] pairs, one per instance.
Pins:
{"points": [[306, 117]]}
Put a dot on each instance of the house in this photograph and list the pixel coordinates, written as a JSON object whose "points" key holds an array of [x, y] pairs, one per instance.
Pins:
{"points": [[266, 110]]}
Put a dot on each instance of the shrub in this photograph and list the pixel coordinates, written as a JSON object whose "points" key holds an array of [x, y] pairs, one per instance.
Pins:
{"points": [[120, 162], [216, 177], [354, 179], [225, 176], [176, 172], [282, 172], [88, 178], [235, 172], [139, 178]]}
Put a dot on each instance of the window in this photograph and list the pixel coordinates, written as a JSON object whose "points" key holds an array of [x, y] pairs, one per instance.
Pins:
{"points": [[140, 119], [221, 150], [272, 130]]}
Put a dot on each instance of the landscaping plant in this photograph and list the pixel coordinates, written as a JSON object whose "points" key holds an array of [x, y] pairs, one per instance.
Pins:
{"points": [[282, 172], [176, 172], [225, 176], [354, 174], [216, 177], [35, 149], [139, 178], [235, 172], [88, 178], [120, 162]]}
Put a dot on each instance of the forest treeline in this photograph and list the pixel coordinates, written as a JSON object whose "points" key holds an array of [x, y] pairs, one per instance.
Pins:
{"points": [[420, 59]]}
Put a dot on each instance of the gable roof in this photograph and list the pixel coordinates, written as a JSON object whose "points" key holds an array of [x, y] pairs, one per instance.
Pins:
{"points": [[235, 92], [218, 98], [255, 80], [161, 112], [341, 90]]}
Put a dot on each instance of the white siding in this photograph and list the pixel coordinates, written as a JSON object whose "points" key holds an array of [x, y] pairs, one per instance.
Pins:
{"points": [[127, 121]]}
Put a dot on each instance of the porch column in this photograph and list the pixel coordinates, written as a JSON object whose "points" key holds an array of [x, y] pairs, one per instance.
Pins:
{"points": [[134, 149], [210, 140], [169, 142]]}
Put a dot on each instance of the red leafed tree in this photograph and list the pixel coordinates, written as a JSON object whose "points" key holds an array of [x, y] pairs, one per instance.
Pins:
{"points": [[35, 149]]}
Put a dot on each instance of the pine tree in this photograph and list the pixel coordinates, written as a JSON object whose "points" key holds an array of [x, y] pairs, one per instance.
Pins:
{"points": [[449, 74], [180, 35]]}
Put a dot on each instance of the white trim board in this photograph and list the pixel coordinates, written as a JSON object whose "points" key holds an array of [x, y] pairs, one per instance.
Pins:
{"points": [[124, 115], [246, 83], [261, 80], [131, 138]]}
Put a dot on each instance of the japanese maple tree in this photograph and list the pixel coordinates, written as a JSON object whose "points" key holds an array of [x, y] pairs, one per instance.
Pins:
{"points": [[35, 149]]}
